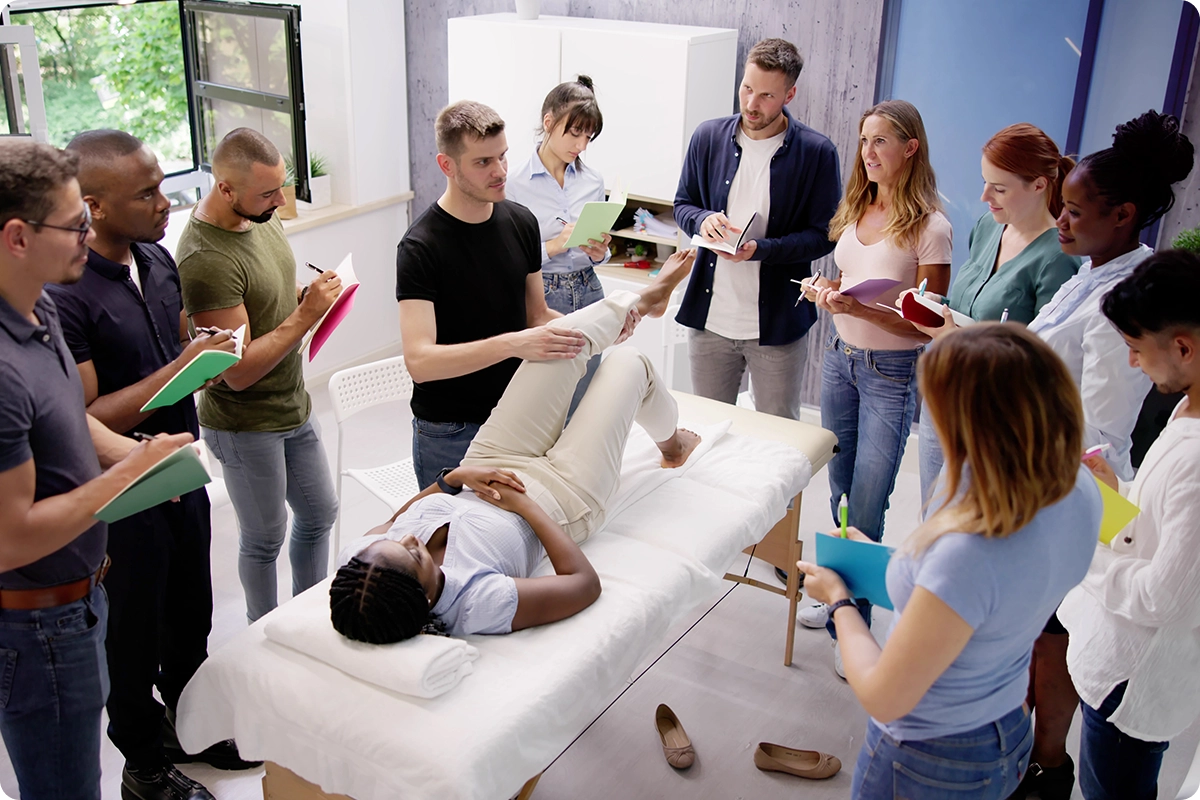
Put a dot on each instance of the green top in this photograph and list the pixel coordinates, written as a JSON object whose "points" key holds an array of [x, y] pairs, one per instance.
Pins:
{"points": [[1023, 284], [255, 268]]}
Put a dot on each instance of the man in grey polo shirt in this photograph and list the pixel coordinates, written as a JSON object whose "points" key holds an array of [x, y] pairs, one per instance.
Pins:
{"points": [[53, 677]]}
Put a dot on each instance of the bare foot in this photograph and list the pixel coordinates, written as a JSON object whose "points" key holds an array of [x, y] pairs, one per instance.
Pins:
{"points": [[657, 295], [675, 451]]}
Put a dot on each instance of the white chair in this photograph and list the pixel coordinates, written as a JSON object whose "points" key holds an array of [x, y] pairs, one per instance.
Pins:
{"points": [[357, 389], [673, 335]]}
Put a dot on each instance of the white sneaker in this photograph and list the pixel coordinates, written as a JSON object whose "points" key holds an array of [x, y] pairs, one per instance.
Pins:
{"points": [[837, 661], [813, 616]]}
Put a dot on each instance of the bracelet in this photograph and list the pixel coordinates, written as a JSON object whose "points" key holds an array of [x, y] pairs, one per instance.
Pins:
{"points": [[845, 601], [445, 487]]}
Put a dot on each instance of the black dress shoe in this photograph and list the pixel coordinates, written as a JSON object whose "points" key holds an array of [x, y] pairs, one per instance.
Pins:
{"points": [[782, 577], [222, 755], [1048, 783], [163, 782]]}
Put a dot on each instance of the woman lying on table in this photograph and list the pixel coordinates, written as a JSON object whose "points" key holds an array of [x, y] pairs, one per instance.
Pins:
{"points": [[972, 584], [461, 562]]}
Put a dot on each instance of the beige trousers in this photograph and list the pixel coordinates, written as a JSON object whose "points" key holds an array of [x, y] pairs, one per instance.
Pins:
{"points": [[572, 473]]}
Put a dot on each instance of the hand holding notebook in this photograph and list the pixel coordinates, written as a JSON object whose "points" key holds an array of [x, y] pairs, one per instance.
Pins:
{"points": [[176, 473], [318, 334], [202, 368]]}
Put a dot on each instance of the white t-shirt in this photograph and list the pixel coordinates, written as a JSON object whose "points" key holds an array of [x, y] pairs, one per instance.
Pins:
{"points": [[733, 312]]}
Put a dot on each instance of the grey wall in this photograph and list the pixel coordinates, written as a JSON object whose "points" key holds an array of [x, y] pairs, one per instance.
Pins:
{"points": [[1186, 213], [839, 40]]}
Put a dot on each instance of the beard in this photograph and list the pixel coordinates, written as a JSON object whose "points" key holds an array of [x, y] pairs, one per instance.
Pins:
{"points": [[259, 218], [480, 194], [761, 124]]}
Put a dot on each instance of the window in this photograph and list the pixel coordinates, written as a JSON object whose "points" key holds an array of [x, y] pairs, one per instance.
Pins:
{"points": [[22, 112], [178, 74]]}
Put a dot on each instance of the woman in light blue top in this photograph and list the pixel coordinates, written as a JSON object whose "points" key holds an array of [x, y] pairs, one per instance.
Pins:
{"points": [[554, 184], [972, 585]]}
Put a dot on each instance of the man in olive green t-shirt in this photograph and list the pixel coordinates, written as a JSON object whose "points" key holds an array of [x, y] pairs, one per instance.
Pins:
{"points": [[237, 268]]}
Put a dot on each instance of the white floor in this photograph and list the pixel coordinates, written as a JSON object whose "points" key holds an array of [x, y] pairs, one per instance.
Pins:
{"points": [[745, 694]]}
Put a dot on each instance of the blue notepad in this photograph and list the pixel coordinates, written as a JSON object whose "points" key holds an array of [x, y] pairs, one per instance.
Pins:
{"points": [[862, 565]]}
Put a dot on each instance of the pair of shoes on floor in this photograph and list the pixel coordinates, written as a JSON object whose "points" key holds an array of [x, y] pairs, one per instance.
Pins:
{"points": [[222, 755], [677, 747], [1047, 783], [160, 782], [782, 576]]}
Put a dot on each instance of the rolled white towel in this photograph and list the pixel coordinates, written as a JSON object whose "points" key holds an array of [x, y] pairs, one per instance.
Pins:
{"points": [[424, 666]]}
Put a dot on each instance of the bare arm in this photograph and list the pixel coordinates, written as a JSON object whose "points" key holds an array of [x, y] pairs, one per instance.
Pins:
{"points": [[32, 530], [121, 410], [427, 360], [833, 301], [110, 447], [575, 584]]}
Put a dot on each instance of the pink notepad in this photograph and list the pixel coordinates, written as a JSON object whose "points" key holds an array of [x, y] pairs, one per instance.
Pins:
{"points": [[338, 312], [868, 290]]}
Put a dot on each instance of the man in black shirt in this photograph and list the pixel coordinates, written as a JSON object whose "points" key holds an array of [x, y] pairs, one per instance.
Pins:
{"points": [[469, 285], [52, 610], [124, 324]]}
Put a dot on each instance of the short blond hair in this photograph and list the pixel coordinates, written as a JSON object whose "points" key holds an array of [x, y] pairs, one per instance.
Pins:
{"points": [[465, 118]]}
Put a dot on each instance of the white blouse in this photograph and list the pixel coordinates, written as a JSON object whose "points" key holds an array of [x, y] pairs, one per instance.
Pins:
{"points": [[1098, 358], [1136, 616]]}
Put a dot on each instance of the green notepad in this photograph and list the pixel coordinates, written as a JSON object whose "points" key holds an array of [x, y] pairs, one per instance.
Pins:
{"points": [[597, 219], [183, 471], [197, 372]]}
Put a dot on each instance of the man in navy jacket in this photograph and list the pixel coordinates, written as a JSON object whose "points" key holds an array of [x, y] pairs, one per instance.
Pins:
{"points": [[743, 306]]}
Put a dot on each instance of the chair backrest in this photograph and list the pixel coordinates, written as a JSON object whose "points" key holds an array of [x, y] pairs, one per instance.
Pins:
{"points": [[358, 388]]}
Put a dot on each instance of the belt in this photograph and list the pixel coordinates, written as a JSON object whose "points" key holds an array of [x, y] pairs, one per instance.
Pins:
{"points": [[52, 596]]}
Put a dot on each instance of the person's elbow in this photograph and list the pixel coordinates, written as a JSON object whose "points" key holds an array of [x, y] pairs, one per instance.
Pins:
{"points": [[590, 591], [884, 707], [418, 364], [236, 381]]}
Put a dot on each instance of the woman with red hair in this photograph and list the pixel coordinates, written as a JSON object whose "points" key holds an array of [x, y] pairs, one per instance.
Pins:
{"points": [[1015, 263]]}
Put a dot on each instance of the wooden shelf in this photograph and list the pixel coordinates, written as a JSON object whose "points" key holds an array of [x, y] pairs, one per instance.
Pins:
{"points": [[630, 233]]}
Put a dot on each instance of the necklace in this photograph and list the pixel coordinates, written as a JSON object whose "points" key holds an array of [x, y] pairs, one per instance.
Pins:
{"points": [[211, 221]]}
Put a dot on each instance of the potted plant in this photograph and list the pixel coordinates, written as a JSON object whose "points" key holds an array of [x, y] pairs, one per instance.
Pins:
{"points": [[320, 184], [1188, 240], [288, 210]]}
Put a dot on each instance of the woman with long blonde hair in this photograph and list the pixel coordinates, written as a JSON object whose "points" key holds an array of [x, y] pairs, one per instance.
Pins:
{"points": [[889, 225], [972, 585]]}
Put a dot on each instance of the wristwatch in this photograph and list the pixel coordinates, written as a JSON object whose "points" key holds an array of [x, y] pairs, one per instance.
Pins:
{"points": [[445, 487], [845, 601]]}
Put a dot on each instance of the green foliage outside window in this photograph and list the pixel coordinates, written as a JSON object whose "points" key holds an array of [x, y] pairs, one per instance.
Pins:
{"points": [[1188, 240]]}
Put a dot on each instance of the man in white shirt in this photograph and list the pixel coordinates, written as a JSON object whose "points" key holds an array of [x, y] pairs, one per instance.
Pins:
{"points": [[744, 307], [1135, 619]]}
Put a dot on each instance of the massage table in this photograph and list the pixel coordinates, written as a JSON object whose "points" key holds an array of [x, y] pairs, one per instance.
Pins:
{"points": [[325, 734]]}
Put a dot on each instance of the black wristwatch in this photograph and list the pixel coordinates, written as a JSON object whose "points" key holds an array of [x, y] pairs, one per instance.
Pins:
{"points": [[445, 487], [845, 601]]}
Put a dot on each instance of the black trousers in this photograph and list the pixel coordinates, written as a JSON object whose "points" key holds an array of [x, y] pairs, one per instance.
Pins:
{"points": [[160, 596]]}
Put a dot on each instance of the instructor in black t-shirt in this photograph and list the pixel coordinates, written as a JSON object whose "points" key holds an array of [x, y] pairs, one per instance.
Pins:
{"points": [[469, 284]]}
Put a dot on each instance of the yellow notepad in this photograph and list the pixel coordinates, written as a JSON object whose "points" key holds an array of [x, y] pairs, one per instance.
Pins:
{"points": [[1118, 512]]}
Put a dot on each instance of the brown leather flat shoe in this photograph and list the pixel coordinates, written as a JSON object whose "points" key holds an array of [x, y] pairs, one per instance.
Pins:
{"points": [[801, 763], [677, 747]]}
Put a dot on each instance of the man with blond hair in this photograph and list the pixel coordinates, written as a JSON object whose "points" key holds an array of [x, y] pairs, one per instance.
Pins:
{"points": [[469, 285], [237, 268]]}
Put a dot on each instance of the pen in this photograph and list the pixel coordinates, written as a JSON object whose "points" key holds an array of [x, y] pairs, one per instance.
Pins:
{"points": [[141, 437], [1095, 451], [209, 331], [1004, 316], [921, 288], [563, 221], [314, 268], [844, 514]]}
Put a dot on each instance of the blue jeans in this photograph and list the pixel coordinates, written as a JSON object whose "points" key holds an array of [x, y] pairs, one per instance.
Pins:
{"points": [[439, 445], [265, 472], [868, 398], [931, 456], [1115, 765], [53, 685], [986, 763], [571, 291]]}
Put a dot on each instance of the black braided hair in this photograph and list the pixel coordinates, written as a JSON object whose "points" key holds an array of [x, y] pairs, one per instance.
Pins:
{"points": [[379, 605], [1148, 155]]}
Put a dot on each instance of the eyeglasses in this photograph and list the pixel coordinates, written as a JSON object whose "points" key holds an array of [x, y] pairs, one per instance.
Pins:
{"points": [[83, 231]]}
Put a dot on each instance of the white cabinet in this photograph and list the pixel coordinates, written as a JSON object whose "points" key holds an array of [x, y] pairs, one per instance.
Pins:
{"points": [[655, 84]]}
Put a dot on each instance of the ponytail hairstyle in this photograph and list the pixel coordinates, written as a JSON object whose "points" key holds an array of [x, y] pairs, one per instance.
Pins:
{"points": [[1147, 156], [1027, 152], [379, 605], [1010, 421], [575, 102], [916, 197]]}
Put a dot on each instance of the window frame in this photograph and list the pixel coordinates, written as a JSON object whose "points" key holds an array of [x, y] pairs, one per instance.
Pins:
{"points": [[292, 104], [11, 76]]}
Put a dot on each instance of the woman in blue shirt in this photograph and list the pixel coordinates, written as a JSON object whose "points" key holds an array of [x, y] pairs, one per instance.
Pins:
{"points": [[554, 184], [971, 585]]}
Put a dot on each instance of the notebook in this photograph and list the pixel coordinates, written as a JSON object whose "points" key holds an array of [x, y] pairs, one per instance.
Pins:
{"points": [[183, 471], [755, 228], [928, 312], [318, 334], [865, 291], [597, 218], [197, 372], [861, 565]]}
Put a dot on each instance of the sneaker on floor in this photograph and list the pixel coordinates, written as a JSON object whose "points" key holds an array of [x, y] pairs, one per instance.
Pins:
{"points": [[838, 667], [813, 616], [163, 782]]}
